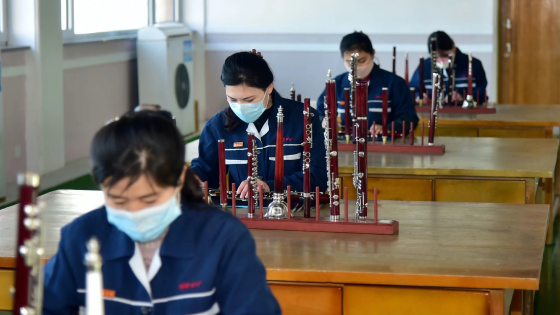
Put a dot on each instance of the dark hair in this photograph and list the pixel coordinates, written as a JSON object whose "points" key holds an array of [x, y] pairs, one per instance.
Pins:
{"points": [[248, 69], [443, 41], [356, 41], [142, 143]]}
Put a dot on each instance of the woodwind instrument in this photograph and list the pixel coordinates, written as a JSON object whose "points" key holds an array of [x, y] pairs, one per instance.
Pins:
{"points": [[331, 148], [421, 87], [278, 209], [298, 97], [441, 89], [469, 100], [360, 155], [384, 116], [347, 126], [433, 58], [307, 144], [28, 285], [94, 279], [451, 75], [353, 78], [394, 59], [436, 79], [406, 70], [293, 92], [252, 175], [223, 174]]}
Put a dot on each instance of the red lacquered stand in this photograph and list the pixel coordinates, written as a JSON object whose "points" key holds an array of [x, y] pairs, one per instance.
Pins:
{"points": [[458, 110], [396, 148], [325, 224]]}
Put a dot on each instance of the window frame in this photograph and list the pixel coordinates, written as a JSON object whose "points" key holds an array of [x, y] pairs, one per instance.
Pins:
{"points": [[68, 35], [4, 23]]}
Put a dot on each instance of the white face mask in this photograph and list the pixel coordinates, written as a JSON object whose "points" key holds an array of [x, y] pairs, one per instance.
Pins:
{"points": [[249, 112], [147, 224]]}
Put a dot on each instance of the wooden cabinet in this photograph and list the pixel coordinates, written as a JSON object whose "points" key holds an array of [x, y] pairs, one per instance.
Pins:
{"points": [[6, 282], [381, 300], [308, 299], [406, 189], [480, 190]]}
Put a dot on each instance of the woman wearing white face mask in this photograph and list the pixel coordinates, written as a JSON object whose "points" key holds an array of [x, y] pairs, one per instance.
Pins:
{"points": [[164, 250], [253, 106], [400, 106]]}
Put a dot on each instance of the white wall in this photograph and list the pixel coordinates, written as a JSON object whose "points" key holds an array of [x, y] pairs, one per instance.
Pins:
{"points": [[300, 39], [342, 16]]}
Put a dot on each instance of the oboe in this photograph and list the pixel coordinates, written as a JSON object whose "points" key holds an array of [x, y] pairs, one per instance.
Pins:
{"points": [[353, 78], [307, 144], [436, 79], [278, 209], [331, 147], [421, 87], [469, 100], [406, 70], [94, 279], [28, 285], [252, 175], [293, 92], [360, 155]]}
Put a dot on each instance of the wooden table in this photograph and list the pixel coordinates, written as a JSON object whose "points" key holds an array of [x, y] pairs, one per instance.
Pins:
{"points": [[497, 170], [509, 121], [448, 258]]}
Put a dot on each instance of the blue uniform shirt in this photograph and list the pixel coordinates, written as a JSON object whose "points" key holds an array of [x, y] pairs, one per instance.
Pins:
{"points": [[400, 106], [206, 165], [207, 264], [461, 76]]}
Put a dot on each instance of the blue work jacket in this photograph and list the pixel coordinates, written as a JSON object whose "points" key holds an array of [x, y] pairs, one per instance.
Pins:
{"points": [[400, 106], [207, 264], [206, 164], [461, 76]]}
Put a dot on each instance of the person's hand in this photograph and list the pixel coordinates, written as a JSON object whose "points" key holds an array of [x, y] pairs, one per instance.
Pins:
{"points": [[243, 189], [457, 96], [198, 179], [426, 99], [377, 131], [258, 53]]}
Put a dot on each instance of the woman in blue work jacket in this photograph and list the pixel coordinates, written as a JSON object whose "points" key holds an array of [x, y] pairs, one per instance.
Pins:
{"points": [[253, 106], [164, 251]]}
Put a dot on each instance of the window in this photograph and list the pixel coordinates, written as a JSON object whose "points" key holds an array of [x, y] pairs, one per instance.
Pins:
{"points": [[3, 32], [97, 19]]}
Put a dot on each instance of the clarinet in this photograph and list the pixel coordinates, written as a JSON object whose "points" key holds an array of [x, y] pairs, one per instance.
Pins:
{"points": [[406, 70], [421, 87], [331, 147], [28, 285], [293, 92], [278, 209], [469, 100], [353, 78], [451, 75], [433, 57], [394, 59], [360, 155], [94, 279], [307, 145], [252, 176], [433, 113]]}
